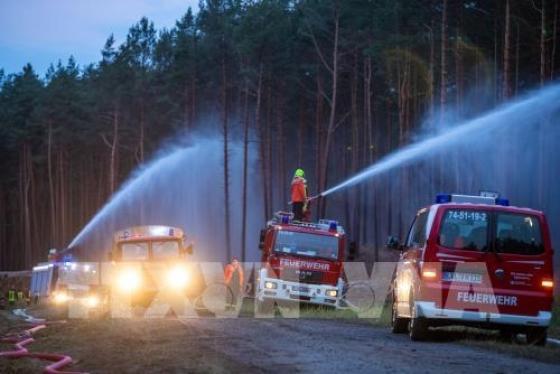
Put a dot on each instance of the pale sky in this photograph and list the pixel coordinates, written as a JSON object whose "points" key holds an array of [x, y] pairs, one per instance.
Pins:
{"points": [[44, 31]]}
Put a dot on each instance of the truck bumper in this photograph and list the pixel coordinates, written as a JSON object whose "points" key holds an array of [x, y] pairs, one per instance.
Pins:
{"points": [[298, 292], [429, 310]]}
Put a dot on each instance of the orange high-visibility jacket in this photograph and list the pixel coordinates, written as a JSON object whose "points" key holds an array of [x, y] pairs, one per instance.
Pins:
{"points": [[299, 190], [228, 274]]}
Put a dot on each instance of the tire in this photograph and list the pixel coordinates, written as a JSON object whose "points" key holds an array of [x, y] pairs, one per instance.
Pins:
{"points": [[399, 325], [537, 336], [417, 326]]}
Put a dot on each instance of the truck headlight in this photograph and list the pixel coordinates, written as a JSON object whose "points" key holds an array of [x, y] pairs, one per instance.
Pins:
{"points": [[91, 301], [332, 293], [61, 297], [129, 280], [270, 285], [178, 277]]}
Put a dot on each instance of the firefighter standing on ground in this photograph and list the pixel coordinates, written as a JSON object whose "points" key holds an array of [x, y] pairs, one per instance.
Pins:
{"points": [[299, 195], [234, 279]]}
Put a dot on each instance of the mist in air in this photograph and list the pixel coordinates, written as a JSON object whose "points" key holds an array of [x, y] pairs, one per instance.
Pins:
{"points": [[512, 149], [503, 149], [182, 187]]}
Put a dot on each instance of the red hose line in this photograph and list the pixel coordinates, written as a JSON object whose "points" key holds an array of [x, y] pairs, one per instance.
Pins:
{"points": [[20, 341]]}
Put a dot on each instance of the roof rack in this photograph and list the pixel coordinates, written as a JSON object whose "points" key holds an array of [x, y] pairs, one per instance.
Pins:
{"points": [[287, 218]]}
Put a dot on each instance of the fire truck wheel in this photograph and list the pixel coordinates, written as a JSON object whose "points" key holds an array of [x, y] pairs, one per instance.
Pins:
{"points": [[417, 326], [537, 336], [399, 325]]}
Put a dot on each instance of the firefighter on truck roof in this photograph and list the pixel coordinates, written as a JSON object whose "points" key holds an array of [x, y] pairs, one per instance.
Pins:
{"points": [[299, 195]]}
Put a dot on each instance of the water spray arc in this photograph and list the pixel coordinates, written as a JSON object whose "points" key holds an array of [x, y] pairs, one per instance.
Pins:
{"points": [[542, 103], [181, 187]]}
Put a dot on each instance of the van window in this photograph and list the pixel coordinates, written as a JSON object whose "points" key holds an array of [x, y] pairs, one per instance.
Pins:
{"points": [[464, 229], [518, 234], [417, 234]]}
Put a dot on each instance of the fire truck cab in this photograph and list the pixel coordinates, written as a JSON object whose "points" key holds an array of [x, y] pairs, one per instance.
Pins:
{"points": [[157, 255], [474, 260], [144, 259], [302, 262]]}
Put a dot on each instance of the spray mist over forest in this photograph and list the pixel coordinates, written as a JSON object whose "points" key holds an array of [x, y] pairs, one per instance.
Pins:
{"points": [[183, 187]]}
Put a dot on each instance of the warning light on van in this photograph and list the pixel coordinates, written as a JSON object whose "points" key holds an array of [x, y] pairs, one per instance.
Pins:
{"points": [[547, 283], [502, 201], [429, 274], [484, 198], [443, 198]]}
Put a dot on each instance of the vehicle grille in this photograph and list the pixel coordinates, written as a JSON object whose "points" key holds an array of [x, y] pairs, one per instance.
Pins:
{"points": [[304, 276]]}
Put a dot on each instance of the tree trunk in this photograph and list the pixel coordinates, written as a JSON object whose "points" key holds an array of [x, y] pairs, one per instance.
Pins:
{"points": [[443, 91], [319, 101], [352, 195], [142, 126], [516, 59], [507, 39], [543, 42], [245, 171], [62, 199], [114, 151], [459, 69], [554, 37], [25, 186], [332, 115], [431, 72], [281, 144], [262, 144], [225, 129], [53, 237], [301, 130]]}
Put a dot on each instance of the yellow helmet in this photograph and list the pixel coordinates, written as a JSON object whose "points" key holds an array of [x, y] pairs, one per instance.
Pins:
{"points": [[299, 173]]}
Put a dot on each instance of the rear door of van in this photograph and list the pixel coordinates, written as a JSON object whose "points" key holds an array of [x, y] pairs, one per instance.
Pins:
{"points": [[520, 260]]}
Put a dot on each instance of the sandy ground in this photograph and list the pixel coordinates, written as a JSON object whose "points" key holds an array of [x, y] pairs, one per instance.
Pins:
{"points": [[259, 345]]}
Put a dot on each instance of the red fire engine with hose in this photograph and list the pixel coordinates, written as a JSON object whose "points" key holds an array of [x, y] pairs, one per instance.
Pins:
{"points": [[302, 262]]}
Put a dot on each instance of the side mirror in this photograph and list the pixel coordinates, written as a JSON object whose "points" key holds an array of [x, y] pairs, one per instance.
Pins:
{"points": [[261, 239], [393, 243]]}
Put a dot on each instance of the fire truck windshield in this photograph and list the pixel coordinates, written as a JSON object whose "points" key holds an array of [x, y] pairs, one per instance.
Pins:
{"points": [[134, 251], [304, 244], [165, 249]]}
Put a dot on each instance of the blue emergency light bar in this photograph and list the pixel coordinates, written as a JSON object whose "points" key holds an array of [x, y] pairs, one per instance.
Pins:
{"points": [[443, 198], [502, 201], [483, 199]]}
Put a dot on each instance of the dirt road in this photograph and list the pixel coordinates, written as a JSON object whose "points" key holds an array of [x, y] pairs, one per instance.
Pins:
{"points": [[290, 345], [261, 345]]}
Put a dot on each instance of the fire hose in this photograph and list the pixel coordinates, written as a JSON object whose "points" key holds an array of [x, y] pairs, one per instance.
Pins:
{"points": [[59, 361]]}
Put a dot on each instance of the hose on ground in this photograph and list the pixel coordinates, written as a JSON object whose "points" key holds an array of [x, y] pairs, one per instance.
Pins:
{"points": [[19, 341]]}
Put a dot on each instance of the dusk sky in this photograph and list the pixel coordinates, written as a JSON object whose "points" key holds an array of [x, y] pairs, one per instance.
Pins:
{"points": [[43, 31]]}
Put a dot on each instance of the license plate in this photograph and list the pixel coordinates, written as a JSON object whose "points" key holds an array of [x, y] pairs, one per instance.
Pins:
{"points": [[462, 277], [301, 289]]}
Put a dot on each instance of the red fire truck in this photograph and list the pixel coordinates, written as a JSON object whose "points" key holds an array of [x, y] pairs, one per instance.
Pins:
{"points": [[302, 262], [475, 260]]}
